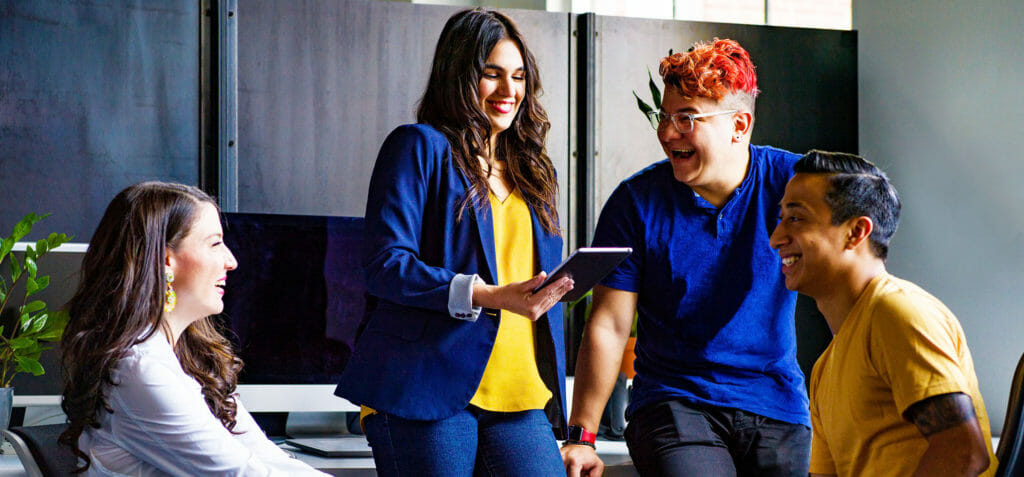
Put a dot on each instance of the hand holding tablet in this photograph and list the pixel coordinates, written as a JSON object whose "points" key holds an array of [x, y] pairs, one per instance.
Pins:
{"points": [[586, 266]]}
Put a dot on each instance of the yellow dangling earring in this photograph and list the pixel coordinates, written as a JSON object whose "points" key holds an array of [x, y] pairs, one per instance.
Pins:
{"points": [[170, 299]]}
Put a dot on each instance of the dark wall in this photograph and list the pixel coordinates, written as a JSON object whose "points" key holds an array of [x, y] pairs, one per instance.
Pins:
{"points": [[322, 83], [93, 97]]}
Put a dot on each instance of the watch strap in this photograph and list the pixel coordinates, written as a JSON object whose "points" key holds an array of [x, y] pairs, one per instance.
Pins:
{"points": [[577, 434]]}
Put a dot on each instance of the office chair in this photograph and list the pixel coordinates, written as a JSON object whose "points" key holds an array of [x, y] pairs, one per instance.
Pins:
{"points": [[1011, 442], [39, 451]]}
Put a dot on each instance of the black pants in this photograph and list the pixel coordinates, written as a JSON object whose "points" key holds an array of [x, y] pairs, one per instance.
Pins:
{"points": [[674, 438]]}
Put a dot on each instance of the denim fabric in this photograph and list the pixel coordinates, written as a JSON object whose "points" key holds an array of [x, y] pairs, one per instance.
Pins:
{"points": [[473, 442], [678, 439]]}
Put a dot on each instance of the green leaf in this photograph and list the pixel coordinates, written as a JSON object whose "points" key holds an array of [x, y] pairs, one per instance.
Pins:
{"points": [[645, 108], [15, 268], [21, 343], [30, 252], [33, 325], [41, 283], [655, 92], [24, 226], [32, 306], [6, 246], [30, 286], [56, 240], [30, 264], [42, 247], [54, 328], [30, 365]]}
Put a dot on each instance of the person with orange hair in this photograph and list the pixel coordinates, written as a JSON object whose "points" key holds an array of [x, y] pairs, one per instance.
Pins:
{"points": [[717, 390]]}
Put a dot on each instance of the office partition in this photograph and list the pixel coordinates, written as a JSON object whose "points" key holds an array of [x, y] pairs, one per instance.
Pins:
{"points": [[322, 83], [94, 97]]}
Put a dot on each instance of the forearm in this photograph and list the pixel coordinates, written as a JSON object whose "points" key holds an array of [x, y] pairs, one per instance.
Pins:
{"points": [[959, 451], [597, 369], [486, 296]]}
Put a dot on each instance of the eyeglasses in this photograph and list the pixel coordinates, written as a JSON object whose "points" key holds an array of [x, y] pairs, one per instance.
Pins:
{"points": [[683, 122]]}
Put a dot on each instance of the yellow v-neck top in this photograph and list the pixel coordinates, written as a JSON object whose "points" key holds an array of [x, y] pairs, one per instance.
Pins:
{"points": [[511, 380]]}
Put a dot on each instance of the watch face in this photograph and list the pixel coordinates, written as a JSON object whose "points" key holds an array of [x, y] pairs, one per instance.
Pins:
{"points": [[575, 433]]}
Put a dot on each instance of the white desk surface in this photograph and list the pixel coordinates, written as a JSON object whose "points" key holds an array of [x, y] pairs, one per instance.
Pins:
{"points": [[614, 455]]}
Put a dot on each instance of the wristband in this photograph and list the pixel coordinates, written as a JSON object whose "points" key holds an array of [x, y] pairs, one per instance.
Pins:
{"points": [[577, 434]]}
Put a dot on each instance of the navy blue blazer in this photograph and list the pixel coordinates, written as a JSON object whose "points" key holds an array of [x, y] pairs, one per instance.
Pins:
{"points": [[413, 359]]}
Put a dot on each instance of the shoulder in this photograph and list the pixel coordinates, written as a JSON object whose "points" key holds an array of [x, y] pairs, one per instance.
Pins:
{"points": [[418, 132], [774, 165], [413, 147], [145, 362], [421, 138], [901, 308], [649, 179]]}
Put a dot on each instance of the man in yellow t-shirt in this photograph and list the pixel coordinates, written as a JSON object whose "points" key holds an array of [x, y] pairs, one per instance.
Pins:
{"points": [[895, 393]]}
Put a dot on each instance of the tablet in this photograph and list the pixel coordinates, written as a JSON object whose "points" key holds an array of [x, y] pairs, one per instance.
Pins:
{"points": [[335, 446], [586, 266]]}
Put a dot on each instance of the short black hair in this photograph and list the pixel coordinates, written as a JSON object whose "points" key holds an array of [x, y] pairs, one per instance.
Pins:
{"points": [[857, 188]]}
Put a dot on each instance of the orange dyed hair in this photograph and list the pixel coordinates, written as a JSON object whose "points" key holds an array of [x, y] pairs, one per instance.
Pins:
{"points": [[711, 70]]}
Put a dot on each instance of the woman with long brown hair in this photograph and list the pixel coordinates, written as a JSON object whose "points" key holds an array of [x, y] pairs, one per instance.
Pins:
{"points": [[460, 368], [149, 381]]}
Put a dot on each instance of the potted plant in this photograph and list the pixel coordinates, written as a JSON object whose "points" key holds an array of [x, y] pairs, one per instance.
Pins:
{"points": [[27, 325]]}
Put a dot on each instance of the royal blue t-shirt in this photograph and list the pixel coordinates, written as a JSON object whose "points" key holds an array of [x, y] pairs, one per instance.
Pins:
{"points": [[716, 321]]}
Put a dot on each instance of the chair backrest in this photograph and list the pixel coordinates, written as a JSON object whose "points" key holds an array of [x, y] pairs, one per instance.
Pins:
{"points": [[39, 451], [1011, 442]]}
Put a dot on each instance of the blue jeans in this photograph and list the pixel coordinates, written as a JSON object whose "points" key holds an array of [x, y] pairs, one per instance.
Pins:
{"points": [[681, 439], [473, 442]]}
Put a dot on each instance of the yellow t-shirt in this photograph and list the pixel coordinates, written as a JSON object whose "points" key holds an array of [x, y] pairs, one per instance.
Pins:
{"points": [[898, 346], [511, 380]]}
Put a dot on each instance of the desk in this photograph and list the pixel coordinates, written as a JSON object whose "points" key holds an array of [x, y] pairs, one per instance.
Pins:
{"points": [[613, 453]]}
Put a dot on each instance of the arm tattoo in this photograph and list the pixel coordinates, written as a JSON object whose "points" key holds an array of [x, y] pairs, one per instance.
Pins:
{"points": [[938, 413]]}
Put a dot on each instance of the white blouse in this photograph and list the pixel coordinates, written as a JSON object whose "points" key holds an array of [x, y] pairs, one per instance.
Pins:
{"points": [[161, 425]]}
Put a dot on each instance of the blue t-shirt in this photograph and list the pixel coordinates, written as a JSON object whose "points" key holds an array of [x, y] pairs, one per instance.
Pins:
{"points": [[715, 319]]}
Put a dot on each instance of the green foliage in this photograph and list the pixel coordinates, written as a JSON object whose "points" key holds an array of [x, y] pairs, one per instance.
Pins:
{"points": [[655, 96], [32, 323], [590, 304]]}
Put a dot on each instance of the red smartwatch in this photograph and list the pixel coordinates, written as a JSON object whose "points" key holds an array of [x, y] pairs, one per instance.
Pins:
{"points": [[577, 435]]}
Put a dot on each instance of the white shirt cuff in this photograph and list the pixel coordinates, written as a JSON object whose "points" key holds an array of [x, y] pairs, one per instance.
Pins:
{"points": [[460, 297]]}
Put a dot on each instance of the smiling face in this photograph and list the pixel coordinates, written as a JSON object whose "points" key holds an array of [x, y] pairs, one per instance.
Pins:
{"points": [[502, 85], [713, 157], [812, 249], [200, 263]]}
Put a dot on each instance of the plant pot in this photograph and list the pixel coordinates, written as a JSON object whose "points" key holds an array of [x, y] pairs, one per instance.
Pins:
{"points": [[628, 356]]}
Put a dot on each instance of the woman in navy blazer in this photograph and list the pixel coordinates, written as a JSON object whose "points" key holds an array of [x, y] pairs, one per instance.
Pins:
{"points": [[430, 265]]}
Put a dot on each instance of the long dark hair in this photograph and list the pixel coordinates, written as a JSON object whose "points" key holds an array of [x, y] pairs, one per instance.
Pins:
{"points": [[119, 303], [451, 104]]}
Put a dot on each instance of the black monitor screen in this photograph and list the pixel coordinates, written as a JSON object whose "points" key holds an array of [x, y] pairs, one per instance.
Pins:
{"points": [[294, 305]]}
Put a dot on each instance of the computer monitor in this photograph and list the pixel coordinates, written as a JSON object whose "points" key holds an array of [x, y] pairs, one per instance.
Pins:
{"points": [[293, 307]]}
